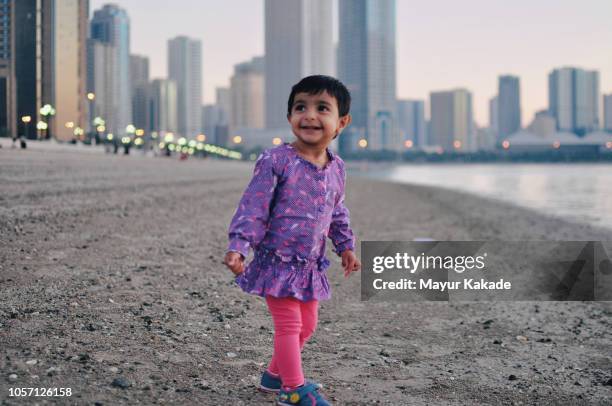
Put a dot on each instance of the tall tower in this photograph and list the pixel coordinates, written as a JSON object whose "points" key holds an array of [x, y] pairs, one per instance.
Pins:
{"points": [[452, 123], [246, 95], [573, 99], [163, 102], [298, 44], [110, 25], [509, 105], [8, 101], [411, 121], [139, 78], [607, 101], [366, 65], [51, 64], [185, 68]]}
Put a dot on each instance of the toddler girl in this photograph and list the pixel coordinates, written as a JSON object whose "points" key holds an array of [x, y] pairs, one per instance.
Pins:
{"points": [[293, 202]]}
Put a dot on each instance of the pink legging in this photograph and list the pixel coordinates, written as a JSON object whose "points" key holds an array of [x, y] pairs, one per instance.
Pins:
{"points": [[294, 323]]}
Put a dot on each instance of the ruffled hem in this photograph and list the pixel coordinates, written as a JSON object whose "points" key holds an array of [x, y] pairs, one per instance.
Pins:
{"points": [[272, 274]]}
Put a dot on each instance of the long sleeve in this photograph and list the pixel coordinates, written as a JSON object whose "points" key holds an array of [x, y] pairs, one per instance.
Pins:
{"points": [[249, 224], [340, 229]]}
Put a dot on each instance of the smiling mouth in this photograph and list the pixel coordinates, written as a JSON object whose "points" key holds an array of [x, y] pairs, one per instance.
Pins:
{"points": [[310, 127]]}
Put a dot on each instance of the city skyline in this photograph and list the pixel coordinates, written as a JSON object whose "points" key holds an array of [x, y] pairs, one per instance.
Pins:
{"points": [[552, 34]]}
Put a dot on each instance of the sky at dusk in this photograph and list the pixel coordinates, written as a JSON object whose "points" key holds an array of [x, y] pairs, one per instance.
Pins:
{"points": [[441, 44]]}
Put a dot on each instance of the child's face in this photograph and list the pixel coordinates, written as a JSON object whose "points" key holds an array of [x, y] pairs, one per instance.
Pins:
{"points": [[315, 119]]}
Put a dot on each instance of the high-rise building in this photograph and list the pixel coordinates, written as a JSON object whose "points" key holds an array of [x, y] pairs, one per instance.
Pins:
{"points": [[8, 101], [366, 65], [163, 106], [100, 81], [607, 102], [69, 67], [494, 116], [411, 121], [51, 65], [139, 78], [247, 95], [210, 117], [111, 25], [224, 103], [452, 124], [509, 105], [32, 55], [185, 68], [573, 99], [298, 43]]}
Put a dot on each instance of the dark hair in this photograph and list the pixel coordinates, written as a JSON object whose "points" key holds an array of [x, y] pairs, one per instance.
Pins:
{"points": [[317, 84]]}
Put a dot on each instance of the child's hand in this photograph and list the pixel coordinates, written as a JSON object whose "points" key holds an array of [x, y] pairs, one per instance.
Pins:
{"points": [[235, 262], [350, 263]]}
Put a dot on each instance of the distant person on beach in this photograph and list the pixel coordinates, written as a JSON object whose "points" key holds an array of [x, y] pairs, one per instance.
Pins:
{"points": [[293, 202]]}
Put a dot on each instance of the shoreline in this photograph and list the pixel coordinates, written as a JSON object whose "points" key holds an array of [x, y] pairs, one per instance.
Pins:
{"points": [[109, 272]]}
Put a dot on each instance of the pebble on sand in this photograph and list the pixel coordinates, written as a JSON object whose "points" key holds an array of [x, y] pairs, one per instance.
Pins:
{"points": [[121, 382]]}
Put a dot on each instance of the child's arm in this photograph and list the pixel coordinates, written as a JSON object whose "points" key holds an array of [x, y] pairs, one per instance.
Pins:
{"points": [[341, 234], [340, 230], [248, 226]]}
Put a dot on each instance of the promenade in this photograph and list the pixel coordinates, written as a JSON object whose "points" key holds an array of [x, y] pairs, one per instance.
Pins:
{"points": [[112, 284]]}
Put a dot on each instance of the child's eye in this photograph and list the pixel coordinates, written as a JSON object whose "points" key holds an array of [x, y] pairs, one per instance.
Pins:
{"points": [[323, 108], [299, 107]]}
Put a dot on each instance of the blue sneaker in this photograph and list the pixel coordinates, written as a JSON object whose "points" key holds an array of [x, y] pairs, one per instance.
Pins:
{"points": [[272, 384], [306, 395]]}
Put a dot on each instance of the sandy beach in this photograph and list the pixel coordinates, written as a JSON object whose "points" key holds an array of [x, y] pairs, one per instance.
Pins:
{"points": [[112, 284]]}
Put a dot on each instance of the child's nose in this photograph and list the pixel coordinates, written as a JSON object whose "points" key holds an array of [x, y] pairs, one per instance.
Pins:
{"points": [[311, 113]]}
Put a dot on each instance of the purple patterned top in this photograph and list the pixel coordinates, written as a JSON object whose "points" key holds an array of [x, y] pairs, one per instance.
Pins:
{"points": [[287, 210]]}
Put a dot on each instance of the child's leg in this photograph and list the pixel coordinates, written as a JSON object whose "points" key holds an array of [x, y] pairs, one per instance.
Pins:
{"points": [[309, 320], [287, 359], [309, 312]]}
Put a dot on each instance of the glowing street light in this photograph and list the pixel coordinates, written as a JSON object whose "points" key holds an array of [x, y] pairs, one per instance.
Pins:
{"points": [[457, 144], [506, 144], [130, 129], [69, 124], [362, 143], [47, 110], [41, 125], [408, 144], [201, 138], [277, 141], [237, 139], [91, 96], [26, 120]]}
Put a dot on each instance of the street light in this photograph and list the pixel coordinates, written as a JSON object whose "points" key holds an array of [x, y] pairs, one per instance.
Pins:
{"points": [[277, 141], [237, 139], [47, 111], [91, 96], [26, 120], [363, 143]]}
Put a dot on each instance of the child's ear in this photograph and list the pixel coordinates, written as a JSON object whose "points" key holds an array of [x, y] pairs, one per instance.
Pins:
{"points": [[345, 121]]}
